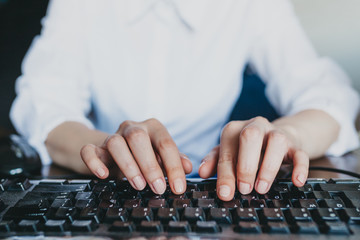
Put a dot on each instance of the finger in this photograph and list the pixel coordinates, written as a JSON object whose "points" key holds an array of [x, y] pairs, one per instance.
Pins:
{"points": [[301, 168], [227, 161], [276, 149], [186, 162], [93, 162], [139, 143], [250, 145], [121, 154], [208, 164], [170, 156]]}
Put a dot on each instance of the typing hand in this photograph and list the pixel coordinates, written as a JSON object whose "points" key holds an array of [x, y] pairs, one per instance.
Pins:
{"points": [[248, 147], [141, 151]]}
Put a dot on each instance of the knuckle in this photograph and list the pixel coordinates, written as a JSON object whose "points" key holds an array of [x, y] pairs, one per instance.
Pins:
{"points": [[153, 121], [135, 134], [261, 120], [113, 141], [278, 137], [165, 144], [125, 124], [230, 127], [250, 133]]}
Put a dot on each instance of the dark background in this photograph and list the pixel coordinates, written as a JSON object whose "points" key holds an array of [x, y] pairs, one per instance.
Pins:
{"points": [[20, 23]]}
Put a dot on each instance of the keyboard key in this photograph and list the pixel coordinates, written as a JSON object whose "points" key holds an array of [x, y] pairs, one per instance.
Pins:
{"points": [[339, 228], [193, 214], [300, 214], [180, 227], [352, 214], [200, 194], [167, 214], [308, 203], [283, 204], [107, 203], [157, 203], [66, 213], [273, 214], [90, 213], [119, 226], [141, 214], [206, 203], [234, 203], [26, 213], [246, 214], [277, 227], [257, 203], [55, 225], [132, 203], [207, 227], [32, 203], [83, 226], [28, 225], [321, 195], [181, 203], [61, 202], [116, 214], [152, 226], [60, 188], [248, 227], [332, 203], [84, 195], [7, 226], [19, 185], [281, 188], [327, 214], [84, 203], [307, 228], [220, 215], [306, 188]]}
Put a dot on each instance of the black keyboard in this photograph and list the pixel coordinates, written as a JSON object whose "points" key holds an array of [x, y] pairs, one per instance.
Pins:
{"points": [[320, 209]]}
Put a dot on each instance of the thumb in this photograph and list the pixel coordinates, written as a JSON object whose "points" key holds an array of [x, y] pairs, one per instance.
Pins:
{"points": [[208, 165]]}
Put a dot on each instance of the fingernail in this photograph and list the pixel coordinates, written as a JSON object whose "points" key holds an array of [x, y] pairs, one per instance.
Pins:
{"points": [[100, 172], [224, 191], [244, 188], [139, 182], [179, 185], [159, 186], [301, 178], [262, 186], [185, 156]]}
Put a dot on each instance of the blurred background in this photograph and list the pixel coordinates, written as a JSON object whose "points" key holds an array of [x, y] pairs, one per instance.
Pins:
{"points": [[332, 25]]}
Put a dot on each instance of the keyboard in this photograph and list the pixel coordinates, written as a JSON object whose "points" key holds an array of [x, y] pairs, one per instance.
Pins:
{"points": [[321, 209]]}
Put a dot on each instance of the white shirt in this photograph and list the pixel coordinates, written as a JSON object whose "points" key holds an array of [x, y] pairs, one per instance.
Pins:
{"points": [[180, 61]]}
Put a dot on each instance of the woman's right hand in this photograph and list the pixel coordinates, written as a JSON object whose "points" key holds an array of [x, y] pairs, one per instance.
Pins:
{"points": [[142, 152]]}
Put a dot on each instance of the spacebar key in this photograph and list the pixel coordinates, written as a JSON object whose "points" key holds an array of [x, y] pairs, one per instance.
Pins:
{"points": [[61, 188]]}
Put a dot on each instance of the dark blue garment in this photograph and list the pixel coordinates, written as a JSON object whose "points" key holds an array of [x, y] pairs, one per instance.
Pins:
{"points": [[252, 101]]}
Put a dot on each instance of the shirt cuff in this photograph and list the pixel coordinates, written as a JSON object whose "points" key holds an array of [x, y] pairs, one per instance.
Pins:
{"points": [[37, 140]]}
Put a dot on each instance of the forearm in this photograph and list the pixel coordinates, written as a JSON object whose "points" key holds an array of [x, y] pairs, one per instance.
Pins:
{"points": [[313, 131], [65, 141]]}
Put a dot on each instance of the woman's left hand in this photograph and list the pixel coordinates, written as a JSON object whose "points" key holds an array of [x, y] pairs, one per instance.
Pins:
{"points": [[250, 155]]}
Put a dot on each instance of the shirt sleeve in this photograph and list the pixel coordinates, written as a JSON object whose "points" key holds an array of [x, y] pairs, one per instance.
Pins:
{"points": [[296, 77], [54, 85]]}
